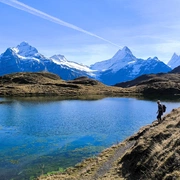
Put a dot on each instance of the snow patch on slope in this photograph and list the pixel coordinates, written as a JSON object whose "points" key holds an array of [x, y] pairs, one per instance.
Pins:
{"points": [[24, 49], [118, 61], [61, 60]]}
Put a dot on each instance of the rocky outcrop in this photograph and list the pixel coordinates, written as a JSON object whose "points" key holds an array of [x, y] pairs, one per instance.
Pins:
{"points": [[153, 153]]}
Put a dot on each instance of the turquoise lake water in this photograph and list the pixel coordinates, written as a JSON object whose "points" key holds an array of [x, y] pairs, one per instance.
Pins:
{"points": [[39, 136]]}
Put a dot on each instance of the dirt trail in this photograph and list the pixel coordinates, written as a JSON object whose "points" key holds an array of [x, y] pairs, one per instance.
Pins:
{"points": [[109, 164]]}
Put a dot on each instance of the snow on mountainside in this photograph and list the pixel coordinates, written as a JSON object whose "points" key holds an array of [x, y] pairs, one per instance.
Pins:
{"points": [[118, 61], [24, 49], [124, 66], [26, 52], [133, 70], [151, 65], [11, 61], [121, 67], [174, 61], [25, 58], [61, 60]]}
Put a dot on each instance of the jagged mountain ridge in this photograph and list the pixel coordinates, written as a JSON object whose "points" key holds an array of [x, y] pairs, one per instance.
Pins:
{"points": [[121, 67], [118, 61], [26, 50], [125, 66], [25, 58]]}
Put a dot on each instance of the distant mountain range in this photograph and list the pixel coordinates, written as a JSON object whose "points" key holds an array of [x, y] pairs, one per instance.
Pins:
{"points": [[25, 58], [123, 66]]}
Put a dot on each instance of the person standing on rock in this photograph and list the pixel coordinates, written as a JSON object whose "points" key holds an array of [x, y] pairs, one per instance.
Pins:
{"points": [[160, 111]]}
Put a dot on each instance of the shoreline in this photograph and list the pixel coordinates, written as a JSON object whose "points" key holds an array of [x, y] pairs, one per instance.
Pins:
{"points": [[117, 161]]}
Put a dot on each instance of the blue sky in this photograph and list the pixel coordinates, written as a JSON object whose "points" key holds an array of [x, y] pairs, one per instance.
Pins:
{"points": [[88, 31]]}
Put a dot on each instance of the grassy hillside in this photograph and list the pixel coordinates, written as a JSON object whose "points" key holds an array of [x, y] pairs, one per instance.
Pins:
{"points": [[155, 84], [46, 84]]}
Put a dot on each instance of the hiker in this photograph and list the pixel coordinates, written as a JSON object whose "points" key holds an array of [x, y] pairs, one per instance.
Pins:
{"points": [[160, 111]]}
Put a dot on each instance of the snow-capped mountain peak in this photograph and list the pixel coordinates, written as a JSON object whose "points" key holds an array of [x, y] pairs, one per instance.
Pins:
{"points": [[122, 66], [26, 50], [175, 61], [118, 61], [122, 53], [25, 58], [59, 58], [175, 55]]}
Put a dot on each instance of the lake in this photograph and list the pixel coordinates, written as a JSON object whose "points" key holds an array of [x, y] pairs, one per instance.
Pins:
{"points": [[42, 135]]}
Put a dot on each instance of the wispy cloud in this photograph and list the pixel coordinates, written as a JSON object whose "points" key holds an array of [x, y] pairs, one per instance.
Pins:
{"points": [[18, 5]]}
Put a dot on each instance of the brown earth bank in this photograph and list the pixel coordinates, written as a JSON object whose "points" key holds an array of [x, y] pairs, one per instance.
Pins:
{"points": [[153, 153], [46, 84], [155, 84]]}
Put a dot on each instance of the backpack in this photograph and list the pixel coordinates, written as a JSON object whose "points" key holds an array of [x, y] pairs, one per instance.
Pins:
{"points": [[163, 108]]}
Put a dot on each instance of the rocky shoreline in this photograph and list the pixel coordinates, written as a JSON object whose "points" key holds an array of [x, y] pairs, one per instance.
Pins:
{"points": [[152, 153]]}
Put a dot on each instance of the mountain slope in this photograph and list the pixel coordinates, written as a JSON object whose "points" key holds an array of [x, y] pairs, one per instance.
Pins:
{"points": [[26, 50], [172, 76], [118, 61], [133, 70], [174, 61], [46, 84], [123, 66], [156, 85], [12, 62], [38, 84], [25, 58], [176, 70]]}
